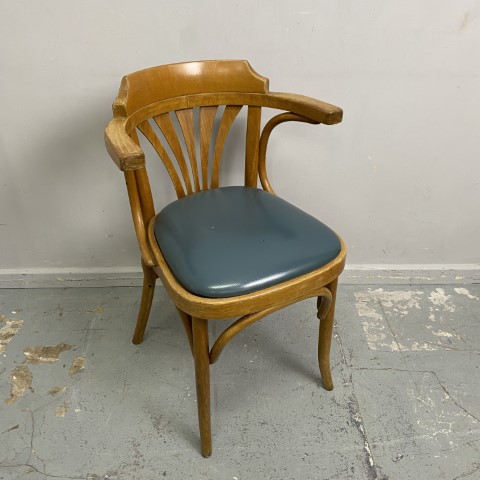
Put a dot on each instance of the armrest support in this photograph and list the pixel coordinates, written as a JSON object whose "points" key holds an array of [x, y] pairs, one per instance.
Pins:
{"points": [[126, 154], [264, 137], [311, 108]]}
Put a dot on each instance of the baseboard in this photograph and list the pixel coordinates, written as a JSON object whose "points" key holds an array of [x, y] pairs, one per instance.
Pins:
{"points": [[366, 274], [71, 277], [406, 274]]}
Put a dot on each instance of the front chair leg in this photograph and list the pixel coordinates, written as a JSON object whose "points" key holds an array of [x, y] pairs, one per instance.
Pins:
{"points": [[202, 377], [149, 278], [325, 337]]}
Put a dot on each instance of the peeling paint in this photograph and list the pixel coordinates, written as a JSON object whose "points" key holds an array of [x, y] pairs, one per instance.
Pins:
{"points": [[401, 301], [393, 303], [383, 312], [8, 331], [440, 333], [464, 291], [77, 365], [56, 390], [439, 298], [40, 354], [21, 381], [61, 410], [425, 346]]}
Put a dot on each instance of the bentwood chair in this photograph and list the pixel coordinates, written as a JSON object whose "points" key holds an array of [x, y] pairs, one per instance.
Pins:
{"points": [[220, 252]]}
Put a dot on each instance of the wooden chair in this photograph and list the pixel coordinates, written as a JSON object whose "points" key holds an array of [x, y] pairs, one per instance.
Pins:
{"points": [[220, 252]]}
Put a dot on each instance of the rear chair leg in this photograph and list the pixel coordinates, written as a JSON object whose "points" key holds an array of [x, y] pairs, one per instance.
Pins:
{"points": [[187, 324], [325, 338], [149, 278], [202, 377]]}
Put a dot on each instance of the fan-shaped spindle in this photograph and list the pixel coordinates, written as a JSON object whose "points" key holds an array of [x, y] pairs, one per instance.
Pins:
{"points": [[229, 115], [185, 119], [165, 124], [207, 117], [152, 137]]}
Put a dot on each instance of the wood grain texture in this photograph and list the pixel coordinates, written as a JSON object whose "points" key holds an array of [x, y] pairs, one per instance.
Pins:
{"points": [[152, 137], [228, 117], [265, 136], [126, 154], [247, 320], [165, 124], [202, 377], [138, 219], [187, 324], [254, 120], [207, 117], [315, 110], [185, 119], [325, 338], [149, 279], [168, 81]]}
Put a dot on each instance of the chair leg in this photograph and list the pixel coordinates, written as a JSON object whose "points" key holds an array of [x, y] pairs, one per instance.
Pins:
{"points": [[202, 377], [149, 278], [325, 338], [187, 324]]}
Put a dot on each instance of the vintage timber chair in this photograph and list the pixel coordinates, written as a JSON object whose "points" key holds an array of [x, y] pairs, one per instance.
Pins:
{"points": [[220, 252]]}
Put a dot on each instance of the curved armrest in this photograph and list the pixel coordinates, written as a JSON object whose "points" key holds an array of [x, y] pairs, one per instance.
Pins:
{"points": [[126, 154], [311, 108]]}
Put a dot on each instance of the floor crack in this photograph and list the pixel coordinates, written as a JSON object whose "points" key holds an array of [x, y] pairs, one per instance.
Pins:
{"points": [[53, 476], [476, 468], [337, 337], [447, 393], [357, 420]]}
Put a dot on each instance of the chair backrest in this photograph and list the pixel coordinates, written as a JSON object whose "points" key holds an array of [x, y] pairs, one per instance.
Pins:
{"points": [[177, 108], [165, 97]]}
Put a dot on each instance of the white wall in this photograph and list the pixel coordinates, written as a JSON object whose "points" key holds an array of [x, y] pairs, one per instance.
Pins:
{"points": [[400, 178]]}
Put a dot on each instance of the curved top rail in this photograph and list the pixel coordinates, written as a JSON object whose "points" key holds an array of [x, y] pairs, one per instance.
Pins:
{"points": [[154, 84]]}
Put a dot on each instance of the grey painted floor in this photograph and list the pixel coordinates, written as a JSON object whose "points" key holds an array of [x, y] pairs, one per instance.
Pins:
{"points": [[406, 403]]}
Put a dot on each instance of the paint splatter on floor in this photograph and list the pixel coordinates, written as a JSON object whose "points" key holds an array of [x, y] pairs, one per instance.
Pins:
{"points": [[40, 354], [464, 291], [77, 365], [21, 381], [56, 390], [61, 410], [8, 329]]}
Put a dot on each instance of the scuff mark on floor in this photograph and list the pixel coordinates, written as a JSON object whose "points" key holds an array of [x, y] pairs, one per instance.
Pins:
{"points": [[8, 330], [97, 310], [61, 410], [21, 381], [11, 428], [40, 354], [78, 364]]}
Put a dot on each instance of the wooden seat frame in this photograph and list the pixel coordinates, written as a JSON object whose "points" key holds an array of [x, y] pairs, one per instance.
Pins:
{"points": [[180, 88]]}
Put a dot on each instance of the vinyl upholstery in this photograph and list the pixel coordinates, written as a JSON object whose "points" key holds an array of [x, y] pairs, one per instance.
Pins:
{"points": [[231, 241]]}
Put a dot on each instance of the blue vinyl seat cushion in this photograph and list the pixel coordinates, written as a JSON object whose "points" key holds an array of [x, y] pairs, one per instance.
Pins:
{"points": [[231, 241]]}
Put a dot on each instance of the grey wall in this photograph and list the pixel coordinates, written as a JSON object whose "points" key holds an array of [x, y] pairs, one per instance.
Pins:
{"points": [[400, 178]]}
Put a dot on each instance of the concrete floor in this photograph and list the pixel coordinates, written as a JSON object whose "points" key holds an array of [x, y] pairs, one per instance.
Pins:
{"points": [[79, 401]]}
